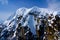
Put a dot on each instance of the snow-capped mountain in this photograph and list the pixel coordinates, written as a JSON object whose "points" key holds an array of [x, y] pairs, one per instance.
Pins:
{"points": [[26, 16], [26, 11]]}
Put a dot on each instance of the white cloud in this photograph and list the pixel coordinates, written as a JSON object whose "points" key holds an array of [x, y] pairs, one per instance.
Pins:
{"points": [[4, 2], [53, 4]]}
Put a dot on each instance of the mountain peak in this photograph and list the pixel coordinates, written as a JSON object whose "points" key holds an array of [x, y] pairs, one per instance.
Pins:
{"points": [[27, 17]]}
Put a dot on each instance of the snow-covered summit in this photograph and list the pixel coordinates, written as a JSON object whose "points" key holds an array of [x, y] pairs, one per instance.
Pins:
{"points": [[25, 11], [26, 17]]}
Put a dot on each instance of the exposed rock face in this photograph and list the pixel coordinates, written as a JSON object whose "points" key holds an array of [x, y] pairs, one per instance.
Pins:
{"points": [[31, 23]]}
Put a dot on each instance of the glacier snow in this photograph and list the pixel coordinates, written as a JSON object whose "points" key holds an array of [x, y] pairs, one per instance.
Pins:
{"points": [[27, 19]]}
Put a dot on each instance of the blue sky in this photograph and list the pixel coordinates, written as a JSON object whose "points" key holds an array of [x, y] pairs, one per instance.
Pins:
{"points": [[8, 7]]}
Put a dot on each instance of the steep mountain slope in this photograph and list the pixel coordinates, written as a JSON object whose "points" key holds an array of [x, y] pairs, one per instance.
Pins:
{"points": [[25, 17]]}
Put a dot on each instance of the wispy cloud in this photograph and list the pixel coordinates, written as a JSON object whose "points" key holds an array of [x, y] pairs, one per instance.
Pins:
{"points": [[4, 2], [53, 4]]}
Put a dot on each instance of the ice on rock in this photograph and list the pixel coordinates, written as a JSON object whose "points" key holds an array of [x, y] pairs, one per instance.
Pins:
{"points": [[27, 19], [21, 11], [31, 24]]}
